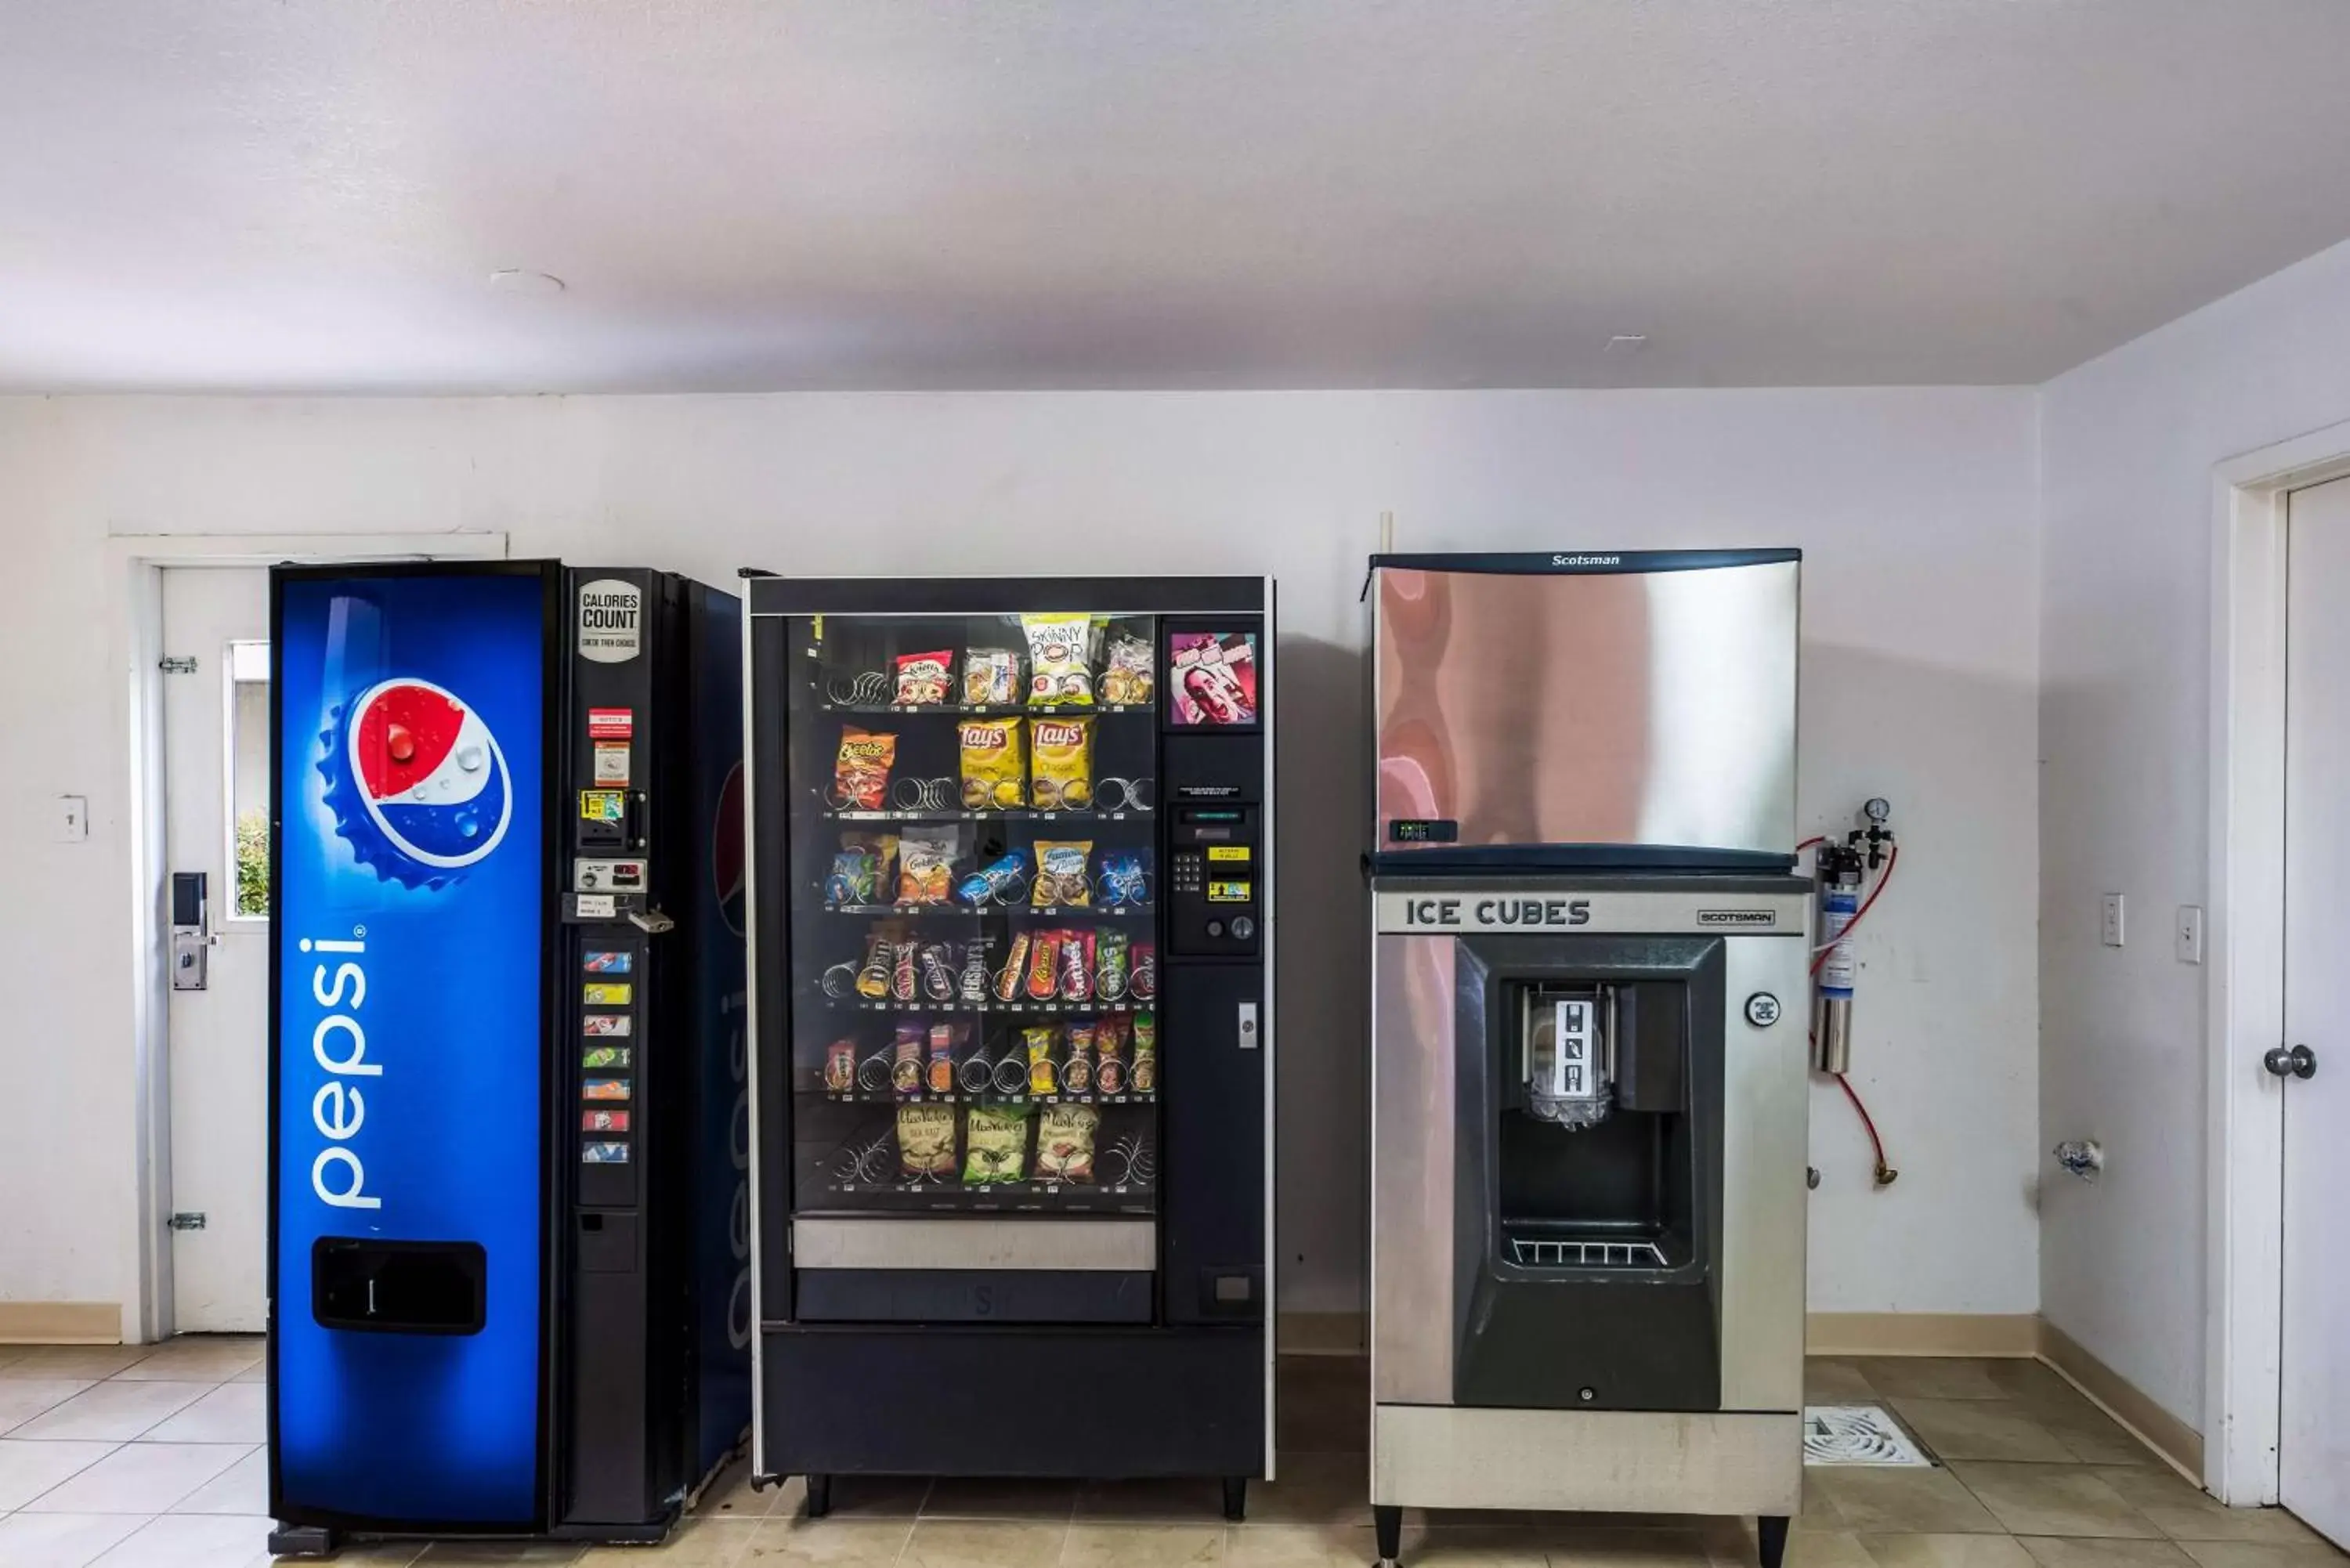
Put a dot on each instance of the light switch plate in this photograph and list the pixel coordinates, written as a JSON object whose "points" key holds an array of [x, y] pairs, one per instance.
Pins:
{"points": [[2112, 936], [2186, 934]]}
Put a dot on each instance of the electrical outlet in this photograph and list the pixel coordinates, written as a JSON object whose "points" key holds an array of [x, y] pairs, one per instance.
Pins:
{"points": [[69, 819], [2113, 920], [2186, 934]]}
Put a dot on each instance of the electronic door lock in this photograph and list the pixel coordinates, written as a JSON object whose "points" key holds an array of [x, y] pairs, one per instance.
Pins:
{"points": [[192, 932]]}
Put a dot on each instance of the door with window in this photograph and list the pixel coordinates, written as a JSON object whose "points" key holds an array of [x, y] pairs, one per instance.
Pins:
{"points": [[216, 801], [2312, 1064]]}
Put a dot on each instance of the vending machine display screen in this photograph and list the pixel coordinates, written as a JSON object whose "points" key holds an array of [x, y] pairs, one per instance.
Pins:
{"points": [[1212, 678]]}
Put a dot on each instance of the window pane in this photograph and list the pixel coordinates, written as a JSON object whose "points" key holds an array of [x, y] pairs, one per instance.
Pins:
{"points": [[249, 776]]}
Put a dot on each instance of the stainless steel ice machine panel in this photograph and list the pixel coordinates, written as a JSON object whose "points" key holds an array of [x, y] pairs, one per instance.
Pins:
{"points": [[1642, 705]]}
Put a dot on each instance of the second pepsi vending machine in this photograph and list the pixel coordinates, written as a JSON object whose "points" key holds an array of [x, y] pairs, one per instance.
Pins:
{"points": [[509, 1276]]}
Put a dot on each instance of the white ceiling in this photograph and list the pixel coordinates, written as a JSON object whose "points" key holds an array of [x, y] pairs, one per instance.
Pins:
{"points": [[311, 194]]}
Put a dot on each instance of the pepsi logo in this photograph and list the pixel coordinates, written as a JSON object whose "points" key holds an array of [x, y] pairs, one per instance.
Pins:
{"points": [[429, 772]]}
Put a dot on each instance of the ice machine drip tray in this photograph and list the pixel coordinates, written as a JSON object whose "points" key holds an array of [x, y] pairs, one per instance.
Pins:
{"points": [[1584, 1252]]}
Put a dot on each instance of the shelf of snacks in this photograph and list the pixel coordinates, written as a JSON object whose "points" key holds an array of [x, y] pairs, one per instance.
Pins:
{"points": [[989, 911], [970, 709], [986, 1097], [973, 1155], [894, 814], [1114, 1054], [984, 1009]]}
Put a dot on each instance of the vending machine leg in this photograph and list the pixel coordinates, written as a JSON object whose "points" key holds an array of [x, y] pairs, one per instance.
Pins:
{"points": [[1389, 1519], [1236, 1497], [1771, 1538], [304, 1540], [820, 1496]]}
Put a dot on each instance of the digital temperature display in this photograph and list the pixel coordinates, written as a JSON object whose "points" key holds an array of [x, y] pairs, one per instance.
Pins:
{"points": [[1423, 830]]}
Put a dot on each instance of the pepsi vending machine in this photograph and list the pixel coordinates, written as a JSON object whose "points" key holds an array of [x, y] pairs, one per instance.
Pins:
{"points": [[509, 1275]]}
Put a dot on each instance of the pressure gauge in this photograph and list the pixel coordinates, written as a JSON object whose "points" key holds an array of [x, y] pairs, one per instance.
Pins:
{"points": [[1877, 809]]}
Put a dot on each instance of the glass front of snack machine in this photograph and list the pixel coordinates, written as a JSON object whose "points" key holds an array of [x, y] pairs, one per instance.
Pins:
{"points": [[975, 950]]}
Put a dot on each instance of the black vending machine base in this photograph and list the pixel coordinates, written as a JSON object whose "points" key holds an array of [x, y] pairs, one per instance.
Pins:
{"points": [[1117, 1405]]}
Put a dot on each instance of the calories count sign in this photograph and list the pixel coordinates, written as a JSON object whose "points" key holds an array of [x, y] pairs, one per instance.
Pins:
{"points": [[611, 621]]}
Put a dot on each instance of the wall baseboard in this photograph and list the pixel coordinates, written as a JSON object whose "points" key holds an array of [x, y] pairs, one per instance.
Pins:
{"points": [[1922, 1334], [2117, 1396], [60, 1322]]}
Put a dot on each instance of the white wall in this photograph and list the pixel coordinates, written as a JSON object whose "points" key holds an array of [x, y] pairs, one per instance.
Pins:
{"points": [[1916, 506], [2128, 442]]}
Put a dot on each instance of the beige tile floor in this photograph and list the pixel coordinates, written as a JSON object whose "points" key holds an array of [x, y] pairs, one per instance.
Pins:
{"points": [[151, 1457]]}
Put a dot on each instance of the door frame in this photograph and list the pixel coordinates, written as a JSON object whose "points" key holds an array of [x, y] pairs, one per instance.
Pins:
{"points": [[135, 563], [2245, 992]]}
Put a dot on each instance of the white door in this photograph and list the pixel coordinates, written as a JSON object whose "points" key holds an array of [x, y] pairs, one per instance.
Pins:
{"points": [[217, 802], [2314, 1436]]}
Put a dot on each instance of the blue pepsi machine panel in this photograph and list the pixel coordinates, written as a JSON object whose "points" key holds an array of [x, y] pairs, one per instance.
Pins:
{"points": [[407, 1289]]}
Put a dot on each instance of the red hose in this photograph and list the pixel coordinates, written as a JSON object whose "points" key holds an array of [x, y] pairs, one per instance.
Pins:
{"points": [[1884, 1172]]}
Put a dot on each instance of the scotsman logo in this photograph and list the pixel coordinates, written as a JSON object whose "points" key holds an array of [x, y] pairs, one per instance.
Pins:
{"points": [[1738, 916], [1586, 560], [338, 1044]]}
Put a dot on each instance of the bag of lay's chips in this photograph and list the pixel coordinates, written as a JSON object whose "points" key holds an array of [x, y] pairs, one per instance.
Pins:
{"points": [[1061, 774], [992, 768]]}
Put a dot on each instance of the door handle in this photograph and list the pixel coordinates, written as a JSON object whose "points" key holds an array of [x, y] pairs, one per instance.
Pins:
{"points": [[2300, 1062]]}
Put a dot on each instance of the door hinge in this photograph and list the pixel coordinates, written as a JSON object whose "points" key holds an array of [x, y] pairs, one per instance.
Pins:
{"points": [[185, 1221], [177, 664]]}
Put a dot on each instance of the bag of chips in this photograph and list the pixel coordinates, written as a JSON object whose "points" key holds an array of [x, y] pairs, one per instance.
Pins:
{"points": [[1060, 873], [1060, 674], [1078, 1071], [992, 768], [926, 1135], [925, 867], [1127, 674], [922, 677], [995, 1144], [1109, 1041], [1061, 772], [1038, 1040], [991, 676], [906, 1059], [861, 774], [841, 1066], [1146, 1054], [1125, 878], [1064, 1143]]}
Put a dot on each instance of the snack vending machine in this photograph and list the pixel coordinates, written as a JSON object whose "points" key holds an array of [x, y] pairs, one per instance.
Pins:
{"points": [[1012, 940], [509, 1287], [1589, 995]]}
